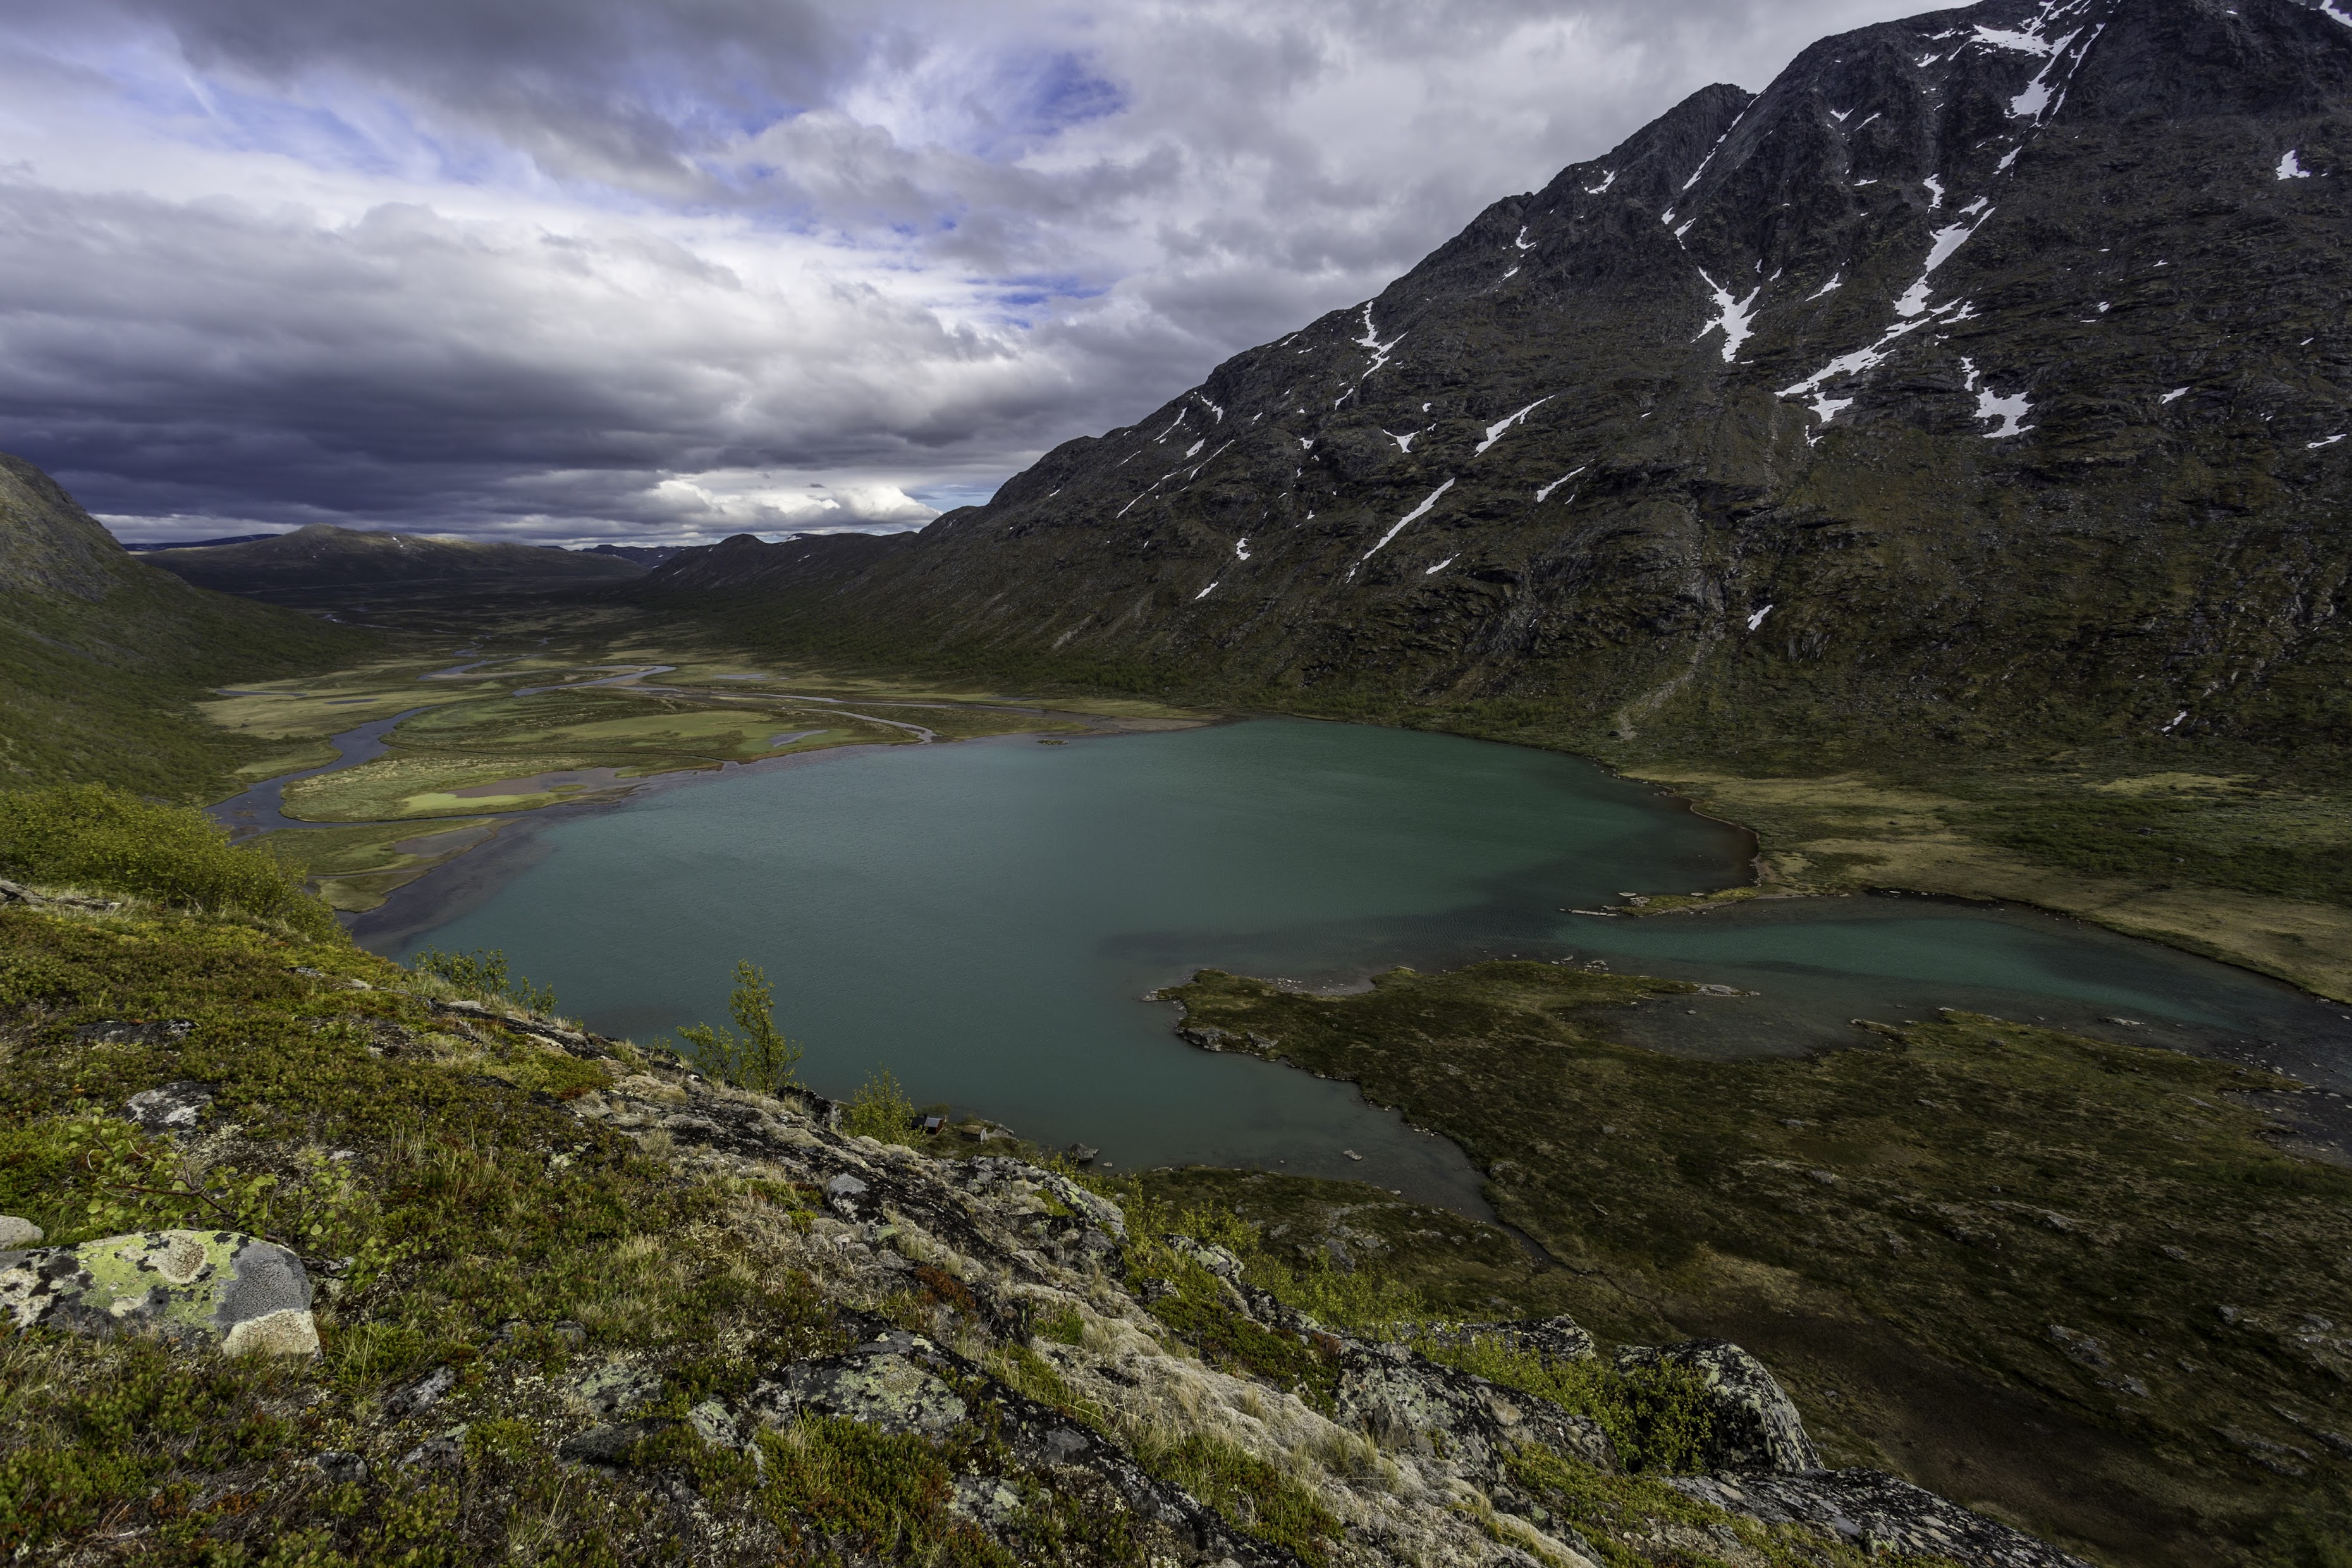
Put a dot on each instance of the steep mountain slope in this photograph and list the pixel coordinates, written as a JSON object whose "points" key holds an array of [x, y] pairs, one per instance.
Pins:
{"points": [[100, 653], [324, 557], [1982, 379]]}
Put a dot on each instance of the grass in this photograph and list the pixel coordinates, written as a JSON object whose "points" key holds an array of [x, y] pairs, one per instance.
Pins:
{"points": [[356, 868], [1897, 1229]]}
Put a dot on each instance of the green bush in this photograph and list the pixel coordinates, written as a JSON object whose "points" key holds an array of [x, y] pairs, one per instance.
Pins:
{"points": [[881, 1111], [483, 972], [1659, 1417], [760, 1059], [104, 840]]}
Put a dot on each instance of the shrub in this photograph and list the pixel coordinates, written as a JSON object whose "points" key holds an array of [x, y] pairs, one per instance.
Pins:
{"points": [[105, 840], [881, 1111], [483, 972], [760, 1059]]}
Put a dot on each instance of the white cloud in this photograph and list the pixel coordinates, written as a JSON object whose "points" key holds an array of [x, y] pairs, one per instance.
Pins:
{"points": [[649, 267]]}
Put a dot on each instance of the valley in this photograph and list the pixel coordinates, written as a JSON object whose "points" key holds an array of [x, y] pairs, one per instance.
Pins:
{"points": [[1718, 936]]}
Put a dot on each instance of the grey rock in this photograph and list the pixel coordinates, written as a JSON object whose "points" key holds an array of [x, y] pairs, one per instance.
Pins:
{"points": [[423, 1395], [607, 1446], [1756, 1427], [445, 1452], [1877, 1514], [343, 1469], [245, 1295], [18, 1234], [174, 1108], [880, 1385], [615, 1389], [1554, 1339], [1409, 1403]]}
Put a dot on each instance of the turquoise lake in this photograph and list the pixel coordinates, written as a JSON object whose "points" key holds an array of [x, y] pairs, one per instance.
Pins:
{"points": [[984, 917]]}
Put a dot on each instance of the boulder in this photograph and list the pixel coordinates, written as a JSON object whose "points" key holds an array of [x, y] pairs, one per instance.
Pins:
{"points": [[886, 1383], [203, 1287], [174, 1108], [1406, 1403], [18, 1234], [1756, 1427]]}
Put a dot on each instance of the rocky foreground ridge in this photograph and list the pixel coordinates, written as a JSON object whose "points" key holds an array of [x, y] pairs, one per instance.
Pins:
{"points": [[751, 1333], [1984, 376]]}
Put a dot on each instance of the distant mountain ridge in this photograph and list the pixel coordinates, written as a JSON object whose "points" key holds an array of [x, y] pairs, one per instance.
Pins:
{"points": [[1985, 377], [322, 555]]}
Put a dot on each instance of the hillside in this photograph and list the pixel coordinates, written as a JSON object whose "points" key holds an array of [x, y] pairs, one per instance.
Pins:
{"points": [[102, 654], [1983, 378], [324, 557], [313, 1259]]}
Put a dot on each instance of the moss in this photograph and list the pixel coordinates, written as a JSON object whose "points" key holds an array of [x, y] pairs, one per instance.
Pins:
{"points": [[1253, 1496], [841, 1492]]}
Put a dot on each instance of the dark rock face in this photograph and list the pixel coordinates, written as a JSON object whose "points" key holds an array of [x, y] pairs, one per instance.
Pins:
{"points": [[1985, 374]]}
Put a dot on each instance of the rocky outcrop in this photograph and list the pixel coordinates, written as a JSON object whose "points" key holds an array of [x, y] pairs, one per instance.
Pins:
{"points": [[1756, 1427], [215, 1287], [1409, 1452], [1879, 1513]]}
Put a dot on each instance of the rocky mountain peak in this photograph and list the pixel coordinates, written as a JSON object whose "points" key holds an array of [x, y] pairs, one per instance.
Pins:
{"points": [[1999, 340]]}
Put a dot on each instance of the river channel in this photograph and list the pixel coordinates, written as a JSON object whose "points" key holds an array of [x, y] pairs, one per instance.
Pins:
{"points": [[985, 918]]}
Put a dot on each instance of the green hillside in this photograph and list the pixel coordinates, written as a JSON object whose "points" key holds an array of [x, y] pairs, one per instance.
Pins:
{"points": [[101, 656]]}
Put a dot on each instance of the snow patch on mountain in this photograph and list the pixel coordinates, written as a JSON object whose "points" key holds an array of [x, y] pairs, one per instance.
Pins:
{"points": [[1543, 490], [1732, 314], [2291, 168], [1495, 432], [1419, 511], [2009, 410]]}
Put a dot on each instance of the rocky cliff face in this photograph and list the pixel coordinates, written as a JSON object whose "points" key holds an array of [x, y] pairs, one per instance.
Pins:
{"points": [[1982, 376]]}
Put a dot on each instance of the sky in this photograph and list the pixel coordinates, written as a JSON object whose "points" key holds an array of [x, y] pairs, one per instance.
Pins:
{"points": [[660, 271]]}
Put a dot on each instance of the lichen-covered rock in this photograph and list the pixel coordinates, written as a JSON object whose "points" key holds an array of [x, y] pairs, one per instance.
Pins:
{"points": [[1756, 1425], [249, 1296], [1554, 1339], [883, 1384], [1877, 1512], [1407, 1403], [174, 1108], [17, 1234]]}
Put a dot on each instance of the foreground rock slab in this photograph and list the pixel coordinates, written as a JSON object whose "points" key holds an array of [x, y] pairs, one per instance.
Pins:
{"points": [[247, 1296]]}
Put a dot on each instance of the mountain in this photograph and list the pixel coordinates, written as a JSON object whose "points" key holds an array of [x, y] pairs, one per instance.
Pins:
{"points": [[642, 555], [1982, 381], [100, 654], [143, 547], [324, 557]]}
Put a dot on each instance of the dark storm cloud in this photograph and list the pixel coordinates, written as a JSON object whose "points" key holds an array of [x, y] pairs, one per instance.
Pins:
{"points": [[586, 269]]}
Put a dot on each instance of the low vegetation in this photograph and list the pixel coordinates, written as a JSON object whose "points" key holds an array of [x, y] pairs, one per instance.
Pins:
{"points": [[104, 840], [1979, 1252], [487, 1256]]}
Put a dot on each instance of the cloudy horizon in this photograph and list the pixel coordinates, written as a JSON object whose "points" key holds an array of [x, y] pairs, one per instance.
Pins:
{"points": [[659, 272]]}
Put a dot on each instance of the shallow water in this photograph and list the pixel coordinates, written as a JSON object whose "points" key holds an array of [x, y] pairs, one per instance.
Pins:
{"points": [[984, 918], [262, 808]]}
